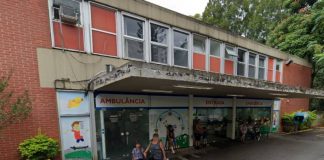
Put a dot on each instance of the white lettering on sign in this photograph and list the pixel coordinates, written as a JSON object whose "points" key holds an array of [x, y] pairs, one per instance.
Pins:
{"points": [[126, 100], [212, 102], [254, 103], [121, 100]]}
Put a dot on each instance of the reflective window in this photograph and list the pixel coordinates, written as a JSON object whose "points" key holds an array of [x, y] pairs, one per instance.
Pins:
{"points": [[262, 68], [133, 38], [159, 44], [278, 65], [180, 40], [252, 60], [214, 48], [180, 50], [241, 62], [159, 34], [230, 53], [199, 44], [133, 27]]}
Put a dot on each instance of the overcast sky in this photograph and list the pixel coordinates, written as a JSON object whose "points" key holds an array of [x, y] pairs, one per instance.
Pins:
{"points": [[186, 7]]}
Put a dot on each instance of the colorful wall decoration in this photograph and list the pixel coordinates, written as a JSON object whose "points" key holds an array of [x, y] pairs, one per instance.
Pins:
{"points": [[177, 118], [74, 111]]}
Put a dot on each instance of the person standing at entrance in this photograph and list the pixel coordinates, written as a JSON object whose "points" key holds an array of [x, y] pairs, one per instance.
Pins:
{"points": [[198, 130], [155, 150], [171, 140], [138, 152]]}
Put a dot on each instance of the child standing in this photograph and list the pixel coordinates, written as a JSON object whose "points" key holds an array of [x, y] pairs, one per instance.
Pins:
{"points": [[138, 152]]}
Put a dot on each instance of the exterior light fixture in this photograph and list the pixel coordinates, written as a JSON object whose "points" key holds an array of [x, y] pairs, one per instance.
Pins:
{"points": [[278, 94], [156, 91], [235, 95], [193, 87]]}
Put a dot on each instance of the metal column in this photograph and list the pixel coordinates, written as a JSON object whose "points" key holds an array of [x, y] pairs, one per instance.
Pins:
{"points": [[191, 97], [234, 117]]}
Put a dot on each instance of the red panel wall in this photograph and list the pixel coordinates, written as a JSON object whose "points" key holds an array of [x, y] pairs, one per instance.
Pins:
{"points": [[72, 36], [104, 43], [229, 67], [214, 64], [270, 69], [199, 61], [296, 75], [104, 37], [103, 19], [278, 76], [24, 27]]}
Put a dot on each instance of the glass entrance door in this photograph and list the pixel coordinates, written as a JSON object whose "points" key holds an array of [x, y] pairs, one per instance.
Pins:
{"points": [[122, 129]]}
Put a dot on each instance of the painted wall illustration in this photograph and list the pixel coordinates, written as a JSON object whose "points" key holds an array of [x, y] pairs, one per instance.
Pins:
{"points": [[73, 103], [75, 126], [178, 118]]}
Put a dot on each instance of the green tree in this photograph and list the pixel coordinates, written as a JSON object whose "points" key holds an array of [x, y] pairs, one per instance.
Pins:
{"points": [[12, 108], [302, 34], [253, 19]]}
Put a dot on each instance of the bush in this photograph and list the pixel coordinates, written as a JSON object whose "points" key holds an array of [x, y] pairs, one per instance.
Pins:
{"points": [[39, 147], [288, 121]]}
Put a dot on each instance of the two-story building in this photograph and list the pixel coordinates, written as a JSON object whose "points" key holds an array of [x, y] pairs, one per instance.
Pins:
{"points": [[104, 74]]}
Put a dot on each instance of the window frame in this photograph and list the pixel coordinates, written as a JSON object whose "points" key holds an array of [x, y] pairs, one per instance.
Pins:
{"points": [[205, 43], [189, 35], [101, 31], [253, 65], [167, 45], [235, 50], [220, 47], [264, 67], [124, 36], [57, 20], [244, 63]]}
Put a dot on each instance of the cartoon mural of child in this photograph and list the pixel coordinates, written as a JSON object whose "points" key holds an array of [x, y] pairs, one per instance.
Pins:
{"points": [[76, 130]]}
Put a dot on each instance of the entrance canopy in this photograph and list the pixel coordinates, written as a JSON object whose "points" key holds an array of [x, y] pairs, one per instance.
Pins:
{"points": [[140, 77]]}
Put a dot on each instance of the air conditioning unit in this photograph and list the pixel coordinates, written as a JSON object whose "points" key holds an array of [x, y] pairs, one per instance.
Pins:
{"points": [[68, 15]]}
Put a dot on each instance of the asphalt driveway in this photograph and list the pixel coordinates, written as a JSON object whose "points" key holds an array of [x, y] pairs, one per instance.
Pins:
{"points": [[307, 145]]}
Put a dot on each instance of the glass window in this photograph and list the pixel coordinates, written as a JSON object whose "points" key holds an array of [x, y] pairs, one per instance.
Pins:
{"points": [[230, 53], [241, 62], [278, 65], [261, 72], [133, 38], [252, 66], [133, 27], [134, 49], [180, 40], [69, 7], [199, 44], [214, 48], [159, 54], [180, 58], [159, 44], [159, 34], [180, 50]]}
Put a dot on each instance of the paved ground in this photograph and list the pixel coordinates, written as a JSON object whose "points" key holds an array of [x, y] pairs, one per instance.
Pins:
{"points": [[301, 146]]}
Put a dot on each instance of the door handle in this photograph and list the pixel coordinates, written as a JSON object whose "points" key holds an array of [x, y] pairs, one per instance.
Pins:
{"points": [[127, 134], [122, 133]]}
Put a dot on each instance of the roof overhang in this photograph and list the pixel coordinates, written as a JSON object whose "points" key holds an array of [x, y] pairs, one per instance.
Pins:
{"points": [[137, 77]]}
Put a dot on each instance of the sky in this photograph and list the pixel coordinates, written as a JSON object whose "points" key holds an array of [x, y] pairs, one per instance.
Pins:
{"points": [[186, 7]]}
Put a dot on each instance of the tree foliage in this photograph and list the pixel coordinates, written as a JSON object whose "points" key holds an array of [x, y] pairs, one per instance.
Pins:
{"points": [[302, 34], [12, 108], [253, 19]]}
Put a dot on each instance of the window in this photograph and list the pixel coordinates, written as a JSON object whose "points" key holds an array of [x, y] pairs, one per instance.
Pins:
{"points": [[69, 7], [214, 48], [230, 53], [278, 65], [199, 44], [241, 62], [133, 38], [262, 68], [180, 48], [159, 44], [252, 60]]}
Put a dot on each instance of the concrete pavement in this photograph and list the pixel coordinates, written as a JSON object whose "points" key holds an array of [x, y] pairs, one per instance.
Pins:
{"points": [[301, 146]]}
